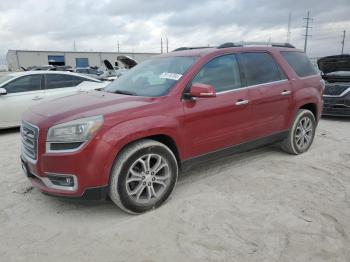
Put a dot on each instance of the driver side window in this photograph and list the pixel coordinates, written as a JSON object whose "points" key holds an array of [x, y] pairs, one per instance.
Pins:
{"points": [[222, 73]]}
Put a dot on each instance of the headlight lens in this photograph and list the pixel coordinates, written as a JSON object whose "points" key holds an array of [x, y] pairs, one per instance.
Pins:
{"points": [[79, 130]]}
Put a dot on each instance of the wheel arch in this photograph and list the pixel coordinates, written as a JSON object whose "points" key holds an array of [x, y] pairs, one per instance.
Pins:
{"points": [[311, 107]]}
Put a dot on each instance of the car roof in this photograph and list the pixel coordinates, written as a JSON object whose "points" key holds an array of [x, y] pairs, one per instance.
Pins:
{"points": [[25, 73], [214, 50]]}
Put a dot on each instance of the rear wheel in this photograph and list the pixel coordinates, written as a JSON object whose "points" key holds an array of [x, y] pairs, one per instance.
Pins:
{"points": [[143, 176], [302, 133]]}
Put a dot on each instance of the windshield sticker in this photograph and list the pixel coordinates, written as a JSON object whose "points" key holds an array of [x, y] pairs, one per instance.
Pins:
{"points": [[172, 76]]}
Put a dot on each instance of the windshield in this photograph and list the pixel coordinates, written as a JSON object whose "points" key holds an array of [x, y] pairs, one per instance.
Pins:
{"points": [[4, 78], [154, 77]]}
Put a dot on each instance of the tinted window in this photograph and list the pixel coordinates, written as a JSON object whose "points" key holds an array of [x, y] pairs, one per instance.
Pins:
{"points": [[61, 81], [300, 63], [260, 68], [222, 73], [24, 84]]}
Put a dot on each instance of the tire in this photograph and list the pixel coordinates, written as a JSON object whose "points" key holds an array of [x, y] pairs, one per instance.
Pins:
{"points": [[143, 176], [299, 141]]}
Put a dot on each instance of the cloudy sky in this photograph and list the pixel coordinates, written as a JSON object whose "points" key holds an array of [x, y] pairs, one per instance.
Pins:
{"points": [[97, 25]]}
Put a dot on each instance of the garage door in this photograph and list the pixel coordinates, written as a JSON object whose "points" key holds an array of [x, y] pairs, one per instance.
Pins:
{"points": [[82, 62]]}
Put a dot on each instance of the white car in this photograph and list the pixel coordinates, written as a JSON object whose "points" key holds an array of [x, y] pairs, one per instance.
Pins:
{"points": [[19, 91]]}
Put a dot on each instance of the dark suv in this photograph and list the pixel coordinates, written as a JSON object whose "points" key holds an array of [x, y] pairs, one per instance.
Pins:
{"points": [[168, 114], [336, 72]]}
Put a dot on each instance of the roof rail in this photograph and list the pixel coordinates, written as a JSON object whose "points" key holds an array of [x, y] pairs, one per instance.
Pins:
{"points": [[273, 44], [228, 44], [189, 48]]}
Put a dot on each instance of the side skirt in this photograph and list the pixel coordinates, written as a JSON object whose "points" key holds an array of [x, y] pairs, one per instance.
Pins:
{"points": [[192, 162]]}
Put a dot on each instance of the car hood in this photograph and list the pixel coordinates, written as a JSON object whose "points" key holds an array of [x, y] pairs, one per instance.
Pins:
{"points": [[127, 60], [108, 65], [90, 103], [335, 63]]}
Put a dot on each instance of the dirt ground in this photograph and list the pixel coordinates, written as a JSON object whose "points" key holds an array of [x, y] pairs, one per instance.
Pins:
{"points": [[262, 205]]}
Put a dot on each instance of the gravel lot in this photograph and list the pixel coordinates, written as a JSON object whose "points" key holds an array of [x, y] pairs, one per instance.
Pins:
{"points": [[262, 205]]}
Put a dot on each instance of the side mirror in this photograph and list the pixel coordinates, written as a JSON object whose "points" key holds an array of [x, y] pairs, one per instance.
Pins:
{"points": [[3, 91], [202, 90]]}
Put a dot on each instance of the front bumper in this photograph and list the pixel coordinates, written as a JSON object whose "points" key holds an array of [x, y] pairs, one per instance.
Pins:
{"points": [[87, 169], [336, 106]]}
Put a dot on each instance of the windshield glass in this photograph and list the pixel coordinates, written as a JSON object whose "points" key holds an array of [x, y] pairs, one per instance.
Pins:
{"points": [[154, 77], [4, 78]]}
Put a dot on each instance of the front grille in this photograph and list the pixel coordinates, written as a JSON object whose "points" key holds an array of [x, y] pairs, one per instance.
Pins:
{"points": [[29, 135], [335, 90]]}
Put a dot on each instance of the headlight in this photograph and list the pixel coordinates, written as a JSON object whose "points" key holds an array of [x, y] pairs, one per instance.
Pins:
{"points": [[79, 130]]}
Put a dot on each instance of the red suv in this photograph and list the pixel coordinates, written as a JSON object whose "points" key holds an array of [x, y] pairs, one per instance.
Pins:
{"points": [[167, 114]]}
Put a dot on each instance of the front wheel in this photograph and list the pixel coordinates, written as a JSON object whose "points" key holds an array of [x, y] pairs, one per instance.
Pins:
{"points": [[302, 133], [143, 177]]}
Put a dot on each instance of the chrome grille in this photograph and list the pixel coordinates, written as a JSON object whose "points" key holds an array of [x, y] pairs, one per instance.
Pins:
{"points": [[335, 90], [29, 135]]}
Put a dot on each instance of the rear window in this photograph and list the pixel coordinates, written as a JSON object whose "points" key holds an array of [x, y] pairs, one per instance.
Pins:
{"points": [[300, 63], [260, 68]]}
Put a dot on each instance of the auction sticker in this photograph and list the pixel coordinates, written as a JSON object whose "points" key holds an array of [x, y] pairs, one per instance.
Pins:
{"points": [[172, 76]]}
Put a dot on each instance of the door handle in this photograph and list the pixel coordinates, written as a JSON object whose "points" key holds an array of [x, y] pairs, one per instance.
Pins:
{"points": [[286, 92], [37, 98], [241, 102]]}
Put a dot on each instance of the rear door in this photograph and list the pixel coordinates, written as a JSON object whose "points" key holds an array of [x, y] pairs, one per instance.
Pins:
{"points": [[270, 93], [221, 121], [22, 93]]}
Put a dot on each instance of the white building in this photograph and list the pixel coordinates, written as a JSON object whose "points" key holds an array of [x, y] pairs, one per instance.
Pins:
{"points": [[25, 58]]}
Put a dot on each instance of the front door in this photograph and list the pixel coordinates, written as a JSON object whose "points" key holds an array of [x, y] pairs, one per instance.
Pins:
{"points": [[222, 121], [22, 93]]}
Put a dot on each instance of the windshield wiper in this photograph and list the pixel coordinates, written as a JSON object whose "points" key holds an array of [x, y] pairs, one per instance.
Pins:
{"points": [[125, 92]]}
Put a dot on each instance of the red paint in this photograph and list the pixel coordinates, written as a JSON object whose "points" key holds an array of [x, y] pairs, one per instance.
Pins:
{"points": [[196, 126]]}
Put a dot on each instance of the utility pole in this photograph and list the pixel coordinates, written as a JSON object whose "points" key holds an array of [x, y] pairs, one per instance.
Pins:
{"points": [[161, 45], [343, 42], [167, 45], [118, 45], [74, 46], [307, 27], [289, 25]]}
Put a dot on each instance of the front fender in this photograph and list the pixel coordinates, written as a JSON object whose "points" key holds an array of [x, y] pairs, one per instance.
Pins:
{"points": [[129, 131]]}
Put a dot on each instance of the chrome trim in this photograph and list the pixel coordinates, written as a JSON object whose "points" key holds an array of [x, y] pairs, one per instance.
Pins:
{"points": [[342, 94], [306, 77], [47, 182], [286, 93], [23, 143], [242, 102], [48, 150], [253, 86]]}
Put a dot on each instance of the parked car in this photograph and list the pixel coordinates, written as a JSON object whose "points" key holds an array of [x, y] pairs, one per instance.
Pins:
{"points": [[89, 71], [48, 68], [168, 114], [19, 91], [336, 73]]}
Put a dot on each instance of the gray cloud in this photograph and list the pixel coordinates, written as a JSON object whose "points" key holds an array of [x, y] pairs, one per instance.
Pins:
{"points": [[138, 25]]}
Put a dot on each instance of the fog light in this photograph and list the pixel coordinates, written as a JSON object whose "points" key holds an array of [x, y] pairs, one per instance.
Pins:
{"points": [[61, 180]]}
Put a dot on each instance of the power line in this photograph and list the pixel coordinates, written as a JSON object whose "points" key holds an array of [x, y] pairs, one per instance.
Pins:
{"points": [[343, 42], [288, 29], [307, 27], [167, 45]]}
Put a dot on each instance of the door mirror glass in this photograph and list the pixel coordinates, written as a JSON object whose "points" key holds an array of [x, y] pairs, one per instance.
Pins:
{"points": [[202, 90], [3, 91]]}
